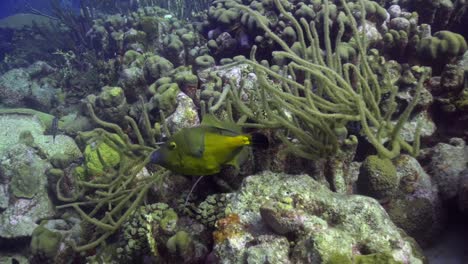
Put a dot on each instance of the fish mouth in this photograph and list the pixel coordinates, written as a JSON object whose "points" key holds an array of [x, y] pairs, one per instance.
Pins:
{"points": [[156, 157]]}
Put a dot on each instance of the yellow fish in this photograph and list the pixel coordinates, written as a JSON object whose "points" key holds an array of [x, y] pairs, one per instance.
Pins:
{"points": [[205, 149]]}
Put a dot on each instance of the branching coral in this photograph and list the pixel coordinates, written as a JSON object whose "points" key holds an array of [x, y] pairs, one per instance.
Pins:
{"points": [[107, 202], [79, 24], [314, 96]]}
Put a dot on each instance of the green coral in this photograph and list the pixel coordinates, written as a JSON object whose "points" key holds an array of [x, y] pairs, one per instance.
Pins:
{"points": [[156, 67], [461, 102], [209, 211], [111, 96], [180, 243], [444, 45], [45, 243], [173, 44], [130, 56], [169, 220], [165, 98], [377, 177], [204, 62], [381, 258], [100, 157], [339, 259], [150, 25], [223, 16], [112, 199], [145, 229]]}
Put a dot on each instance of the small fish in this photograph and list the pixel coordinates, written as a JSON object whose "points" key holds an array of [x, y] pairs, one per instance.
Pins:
{"points": [[205, 149], [54, 128]]}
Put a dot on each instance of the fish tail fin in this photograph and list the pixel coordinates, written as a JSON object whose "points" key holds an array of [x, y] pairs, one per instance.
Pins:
{"points": [[259, 140]]}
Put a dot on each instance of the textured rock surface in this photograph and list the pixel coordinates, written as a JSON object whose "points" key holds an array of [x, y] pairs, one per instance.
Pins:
{"points": [[28, 203], [185, 114], [325, 226], [28, 86], [447, 161], [13, 124], [416, 207]]}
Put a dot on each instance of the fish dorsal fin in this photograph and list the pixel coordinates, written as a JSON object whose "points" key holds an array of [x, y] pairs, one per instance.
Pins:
{"points": [[209, 120]]}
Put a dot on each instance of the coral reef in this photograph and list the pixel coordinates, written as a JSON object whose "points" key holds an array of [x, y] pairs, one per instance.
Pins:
{"points": [[363, 103], [323, 225]]}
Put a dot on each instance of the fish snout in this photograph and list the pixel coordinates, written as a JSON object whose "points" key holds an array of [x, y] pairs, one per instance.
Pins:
{"points": [[156, 157]]}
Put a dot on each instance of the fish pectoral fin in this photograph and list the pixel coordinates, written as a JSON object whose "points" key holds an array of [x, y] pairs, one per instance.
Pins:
{"points": [[195, 142]]}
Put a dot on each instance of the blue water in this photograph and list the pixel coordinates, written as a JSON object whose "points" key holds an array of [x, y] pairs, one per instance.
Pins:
{"points": [[10, 7]]}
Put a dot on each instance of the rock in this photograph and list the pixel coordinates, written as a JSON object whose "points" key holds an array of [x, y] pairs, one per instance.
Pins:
{"points": [[13, 259], [417, 207], [323, 226], [185, 114], [447, 161], [400, 23], [377, 178], [270, 249], [13, 95], [12, 124], [463, 192], [394, 11], [23, 171], [73, 123], [28, 86], [452, 79], [423, 120]]}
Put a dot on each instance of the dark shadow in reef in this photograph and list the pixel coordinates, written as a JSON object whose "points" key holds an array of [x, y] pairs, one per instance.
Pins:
{"points": [[451, 247]]}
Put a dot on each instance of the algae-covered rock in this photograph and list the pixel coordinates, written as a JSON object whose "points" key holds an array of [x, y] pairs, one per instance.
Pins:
{"points": [[185, 114], [45, 243], [377, 178], [447, 162], [14, 121], [24, 170], [73, 123], [28, 86], [417, 207], [14, 258], [23, 173], [321, 224]]}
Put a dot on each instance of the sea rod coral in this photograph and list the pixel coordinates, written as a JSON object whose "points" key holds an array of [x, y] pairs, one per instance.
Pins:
{"points": [[316, 97], [105, 200]]}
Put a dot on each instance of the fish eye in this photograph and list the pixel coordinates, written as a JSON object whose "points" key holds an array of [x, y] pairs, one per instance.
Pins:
{"points": [[172, 145]]}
